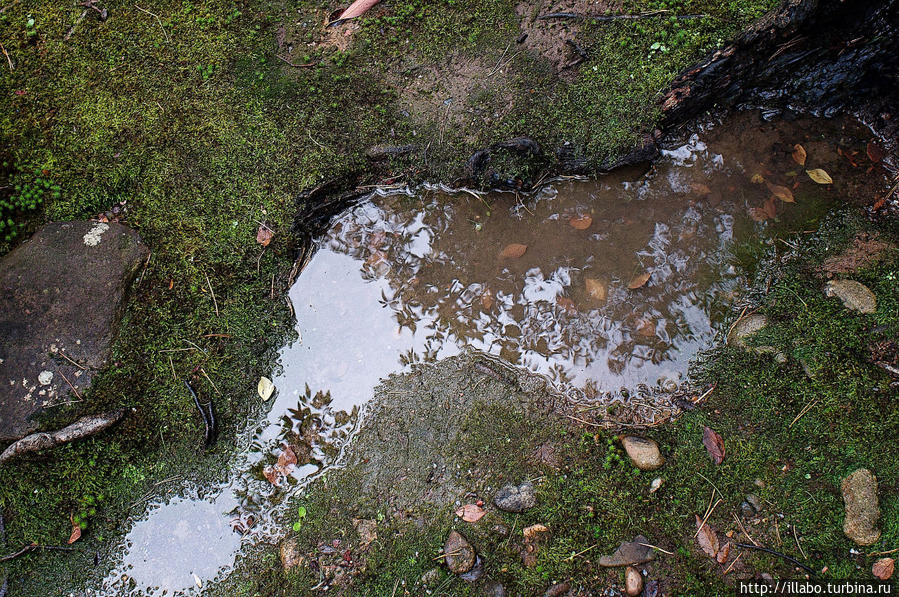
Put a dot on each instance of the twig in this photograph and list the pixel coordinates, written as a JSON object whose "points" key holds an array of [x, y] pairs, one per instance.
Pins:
{"points": [[74, 389], [798, 544], [174, 376], [75, 26], [32, 547], [583, 551], [882, 553], [707, 516], [790, 559], [212, 292], [745, 532], [12, 67], [657, 548], [79, 365], [732, 564], [572, 417], [887, 367], [158, 20], [605, 18], [804, 410], [203, 371], [207, 412], [141, 279]]}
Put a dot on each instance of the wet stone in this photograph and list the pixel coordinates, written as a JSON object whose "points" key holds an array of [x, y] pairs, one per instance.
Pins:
{"points": [[61, 293], [459, 554], [862, 509], [516, 498], [290, 555], [630, 553], [493, 588], [855, 296], [745, 328], [633, 582], [557, 590], [644, 453]]}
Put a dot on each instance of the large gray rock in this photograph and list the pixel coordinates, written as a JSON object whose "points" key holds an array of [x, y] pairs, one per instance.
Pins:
{"points": [[516, 498], [630, 553], [61, 293], [855, 296]]}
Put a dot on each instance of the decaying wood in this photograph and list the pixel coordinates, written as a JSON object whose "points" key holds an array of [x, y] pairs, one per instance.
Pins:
{"points": [[83, 427]]}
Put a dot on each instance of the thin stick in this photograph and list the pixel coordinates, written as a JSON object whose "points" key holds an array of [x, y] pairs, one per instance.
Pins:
{"points": [[798, 544], [174, 376], [572, 417], [141, 279], [583, 551], [32, 547], [212, 292], [203, 371], [882, 553], [604, 18], [79, 365], [74, 389], [158, 20], [704, 520], [732, 564], [790, 559], [657, 548], [745, 532], [804, 410], [12, 67]]}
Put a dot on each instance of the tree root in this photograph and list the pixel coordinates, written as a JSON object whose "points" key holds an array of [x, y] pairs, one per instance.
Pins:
{"points": [[83, 427]]}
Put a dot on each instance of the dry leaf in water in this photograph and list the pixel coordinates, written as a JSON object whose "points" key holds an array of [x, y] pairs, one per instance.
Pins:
{"points": [[470, 513], [714, 444], [286, 459], [799, 154], [265, 388], [358, 8], [819, 176], [513, 251], [76, 531], [271, 475], [883, 568], [875, 152], [264, 235], [596, 289], [781, 192], [581, 222], [566, 303], [707, 538], [757, 178], [639, 281], [487, 300], [646, 328], [700, 189]]}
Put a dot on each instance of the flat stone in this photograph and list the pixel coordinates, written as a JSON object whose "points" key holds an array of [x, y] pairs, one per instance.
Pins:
{"points": [[516, 498], [557, 590], [630, 553], [633, 582], [290, 555], [61, 293], [431, 577], [459, 554], [745, 328], [862, 509], [493, 588], [644, 453], [855, 296]]}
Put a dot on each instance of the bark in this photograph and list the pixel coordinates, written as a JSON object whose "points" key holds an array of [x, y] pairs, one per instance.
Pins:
{"points": [[83, 427]]}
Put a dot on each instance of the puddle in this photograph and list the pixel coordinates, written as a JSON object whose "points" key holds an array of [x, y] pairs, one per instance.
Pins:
{"points": [[601, 286]]}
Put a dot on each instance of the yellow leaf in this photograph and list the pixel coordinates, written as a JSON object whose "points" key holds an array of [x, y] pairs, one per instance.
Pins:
{"points": [[513, 251], [596, 289], [639, 281], [819, 176], [799, 154], [757, 178], [781, 192], [265, 388]]}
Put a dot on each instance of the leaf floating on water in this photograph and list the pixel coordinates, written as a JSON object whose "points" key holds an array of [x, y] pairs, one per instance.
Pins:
{"points": [[714, 444], [265, 388], [581, 222], [286, 459], [596, 289], [271, 475], [819, 176], [487, 300], [701, 189], [639, 281], [470, 513], [875, 152], [264, 235], [358, 8], [707, 538], [646, 328], [513, 251], [799, 154], [883, 568], [566, 303], [781, 192], [757, 178]]}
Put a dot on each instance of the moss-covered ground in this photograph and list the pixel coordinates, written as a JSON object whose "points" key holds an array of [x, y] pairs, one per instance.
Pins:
{"points": [[590, 496]]}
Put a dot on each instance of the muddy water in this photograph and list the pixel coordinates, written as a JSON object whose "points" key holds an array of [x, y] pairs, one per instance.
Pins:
{"points": [[601, 286]]}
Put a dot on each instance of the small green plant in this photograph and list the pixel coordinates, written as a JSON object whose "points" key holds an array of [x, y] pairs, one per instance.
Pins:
{"points": [[301, 516], [29, 192]]}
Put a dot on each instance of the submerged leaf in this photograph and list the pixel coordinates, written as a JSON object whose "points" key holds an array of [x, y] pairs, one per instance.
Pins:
{"points": [[581, 222], [781, 192], [286, 459], [714, 444], [487, 300], [875, 152], [639, 281], [799, 154], [819, 176], [513, 251], [265, 388], [596, 289], [707, 538]]}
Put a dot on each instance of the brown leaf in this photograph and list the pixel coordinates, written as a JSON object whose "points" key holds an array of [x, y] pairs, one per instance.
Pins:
{"points": [[781, 192], [264, 235], [581, 222], [883, 568], [723, 553], [358, 8], [701, 189], [535, 532], [76, 531], [639, 281], [646, 328], [566, 303], [875, 152], [819, 176], [757, 178], [470, 513], [271, 475], [707, 538], [513, 251], [770, 207], [596, 289], [487, 300], [799, 154], [286, 459], [758, 214], [714, 444]]}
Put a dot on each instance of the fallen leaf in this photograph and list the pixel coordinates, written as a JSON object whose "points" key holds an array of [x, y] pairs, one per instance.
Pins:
{"points": [[535, 532], [286, 459], [799, 154], [875, 152], [723, 553], [76, 531], [566, 303], [770, 207], [781, 192], [819, 176], [700, 189], [758, 214], [470, 513], [264, 235], [639, 281], [358, 8], [596, 289], [487, 300], [707, 538], [656, 484], [646, 328], [265, 388], [581, 222], [513, 251], [714, 444], [883, 568], [272, 475], [757, 178]]}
